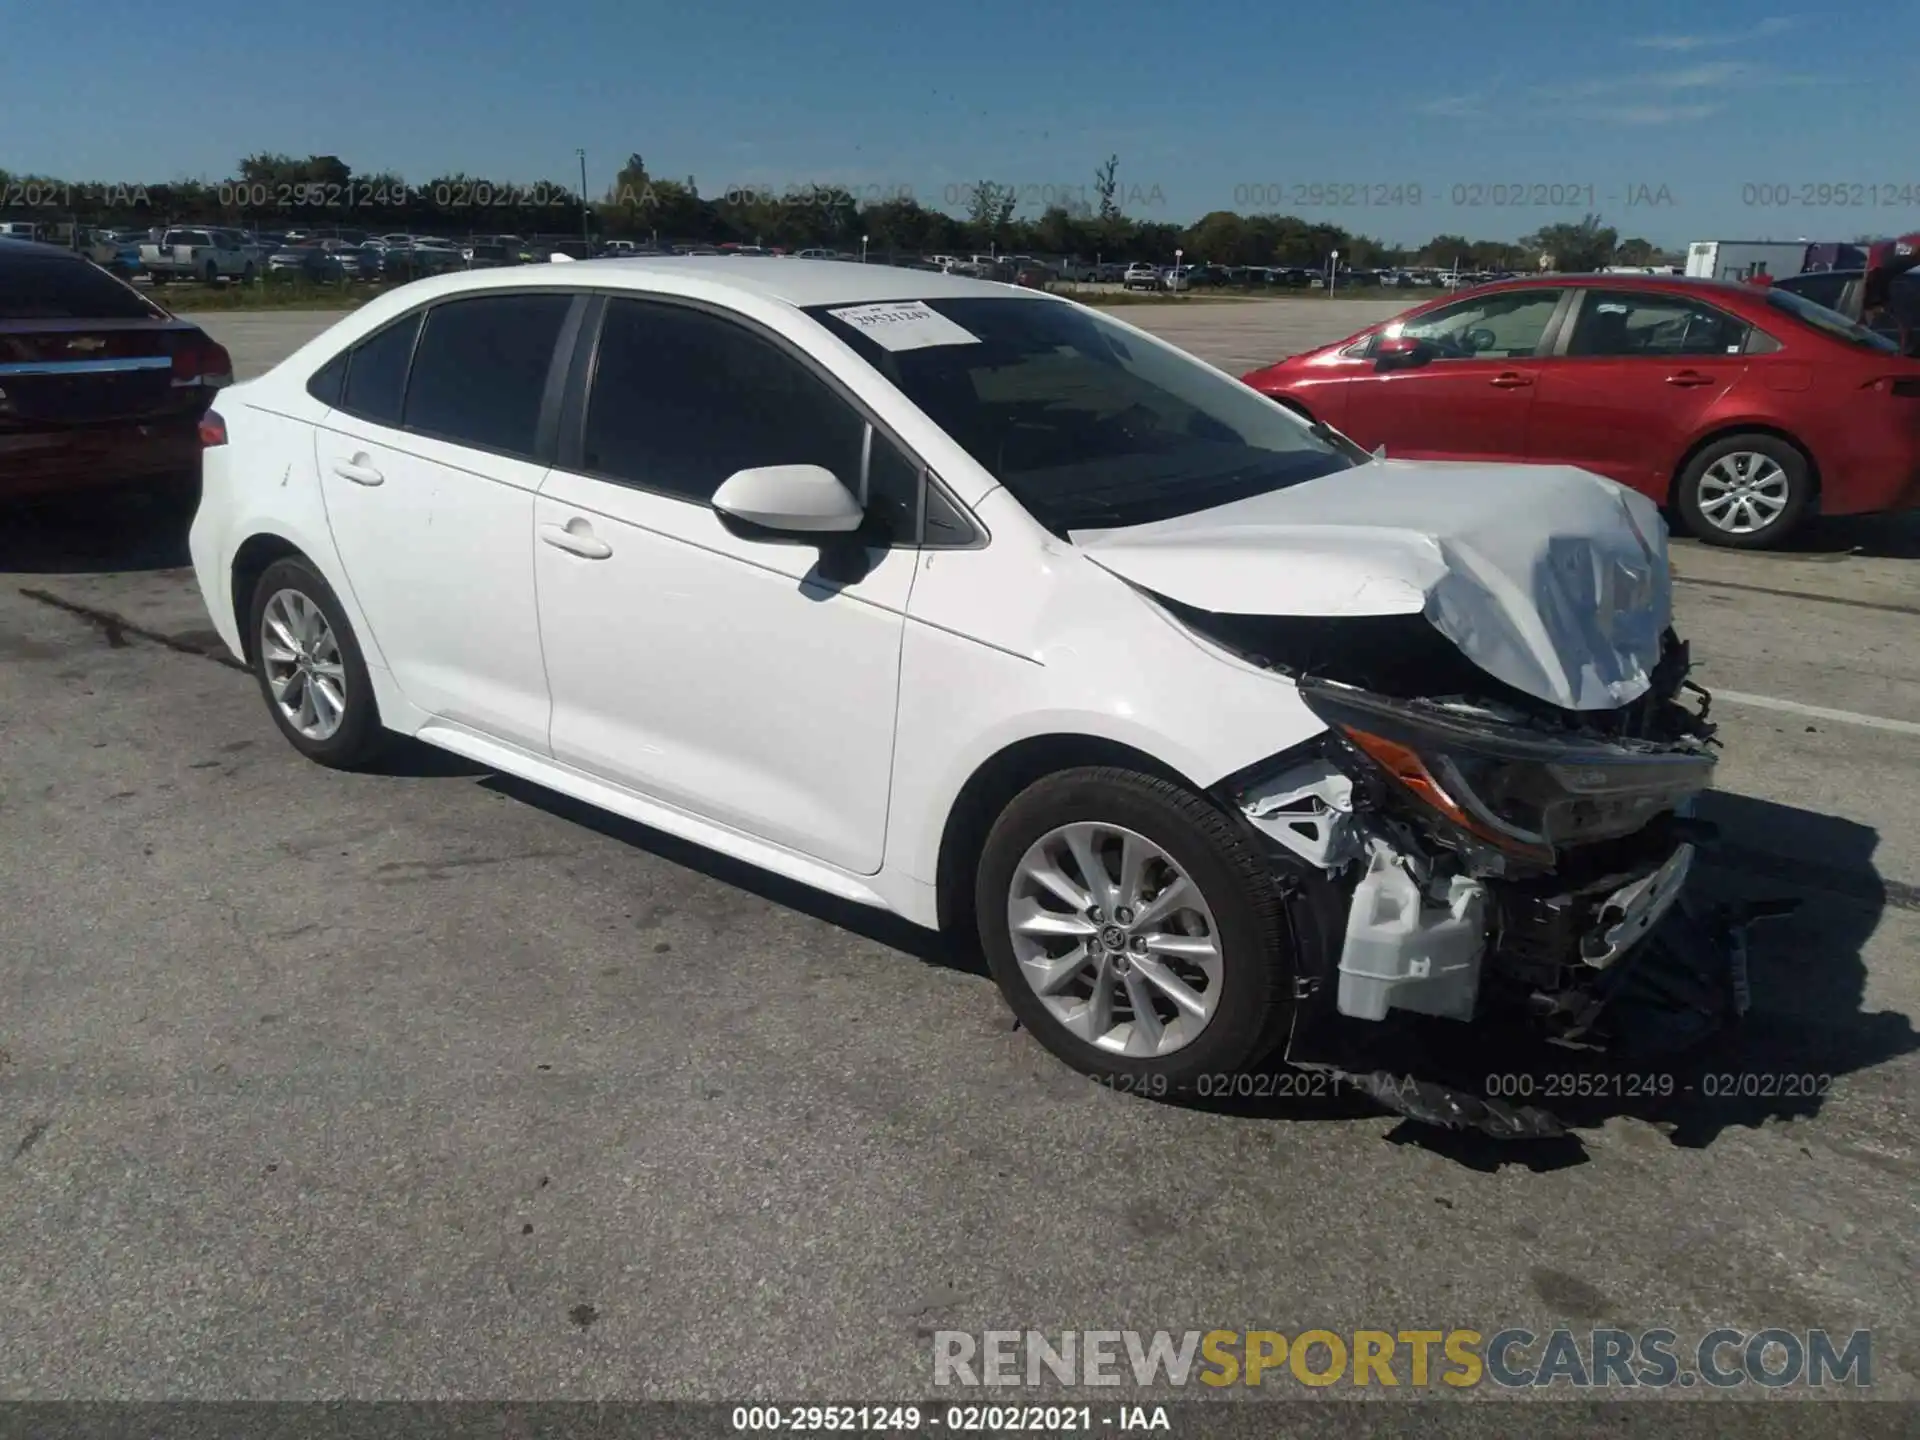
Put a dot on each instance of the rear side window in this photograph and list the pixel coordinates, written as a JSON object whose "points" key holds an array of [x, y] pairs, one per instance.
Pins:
{"points": [[376, 384], [1627, 323], [480, 372], [328, 381], [59, 287]]}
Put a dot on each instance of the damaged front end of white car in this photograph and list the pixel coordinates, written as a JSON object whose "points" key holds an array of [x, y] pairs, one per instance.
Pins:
{"points": [[1500, 864], [1494, 829]]}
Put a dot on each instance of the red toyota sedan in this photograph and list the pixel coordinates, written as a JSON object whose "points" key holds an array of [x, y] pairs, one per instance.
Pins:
{"points": [[1742, 409]]}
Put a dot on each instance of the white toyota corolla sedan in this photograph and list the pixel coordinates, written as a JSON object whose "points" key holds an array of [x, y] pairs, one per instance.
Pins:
{"points": [[1228, 740]]}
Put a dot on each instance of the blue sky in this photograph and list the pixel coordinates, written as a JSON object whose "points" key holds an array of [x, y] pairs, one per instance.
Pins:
{"points": [[1220, 106]]}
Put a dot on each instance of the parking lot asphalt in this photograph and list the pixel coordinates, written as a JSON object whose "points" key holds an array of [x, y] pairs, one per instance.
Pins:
{"points": [[429, 1084]]}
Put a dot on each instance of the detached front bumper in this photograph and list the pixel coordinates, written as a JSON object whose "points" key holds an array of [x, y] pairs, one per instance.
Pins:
{"points": [[1501, 876]]}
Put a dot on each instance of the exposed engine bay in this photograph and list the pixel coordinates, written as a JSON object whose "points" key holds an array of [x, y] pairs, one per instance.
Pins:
{"points": [[1489, 858]]}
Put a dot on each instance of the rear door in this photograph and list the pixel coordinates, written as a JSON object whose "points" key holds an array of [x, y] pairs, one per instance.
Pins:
{"points": [[1637, 374], [429, 464], [1471, 401]]}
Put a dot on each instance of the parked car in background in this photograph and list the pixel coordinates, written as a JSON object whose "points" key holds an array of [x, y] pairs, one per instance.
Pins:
{"points": [[1141, 277], [490, 255], [1743, 409], [208, 255], [1107, 660], [100, 388], [304, 262], [435, 257], [1883, 293]]}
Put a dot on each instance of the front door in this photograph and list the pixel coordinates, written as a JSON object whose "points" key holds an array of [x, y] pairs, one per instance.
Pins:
{"points": [[723, 674], [1471, 400]]}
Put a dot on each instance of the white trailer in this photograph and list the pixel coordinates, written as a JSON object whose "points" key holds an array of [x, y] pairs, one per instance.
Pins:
{"points": [[1742, 259]]}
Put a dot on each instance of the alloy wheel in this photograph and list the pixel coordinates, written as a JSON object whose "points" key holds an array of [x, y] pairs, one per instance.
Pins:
{"points": [[1115, 939], [305, 671], [1744, 492]]}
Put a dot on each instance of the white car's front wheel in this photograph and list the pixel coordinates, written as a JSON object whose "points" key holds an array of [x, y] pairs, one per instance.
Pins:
{"points": [[1135, 928]]}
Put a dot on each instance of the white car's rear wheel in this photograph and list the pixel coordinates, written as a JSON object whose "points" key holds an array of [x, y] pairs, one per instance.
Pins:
{"points": [[311, 672]]}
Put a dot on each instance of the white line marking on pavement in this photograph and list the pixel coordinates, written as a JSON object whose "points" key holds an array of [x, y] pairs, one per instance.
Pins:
{"points": [[1818, 712]]}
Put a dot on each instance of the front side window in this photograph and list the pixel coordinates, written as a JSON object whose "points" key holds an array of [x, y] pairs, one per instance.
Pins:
{"points": [[376, 383], [480, 370], [1625, 322], [682, 399], [1089, 425], [1508, 325]]}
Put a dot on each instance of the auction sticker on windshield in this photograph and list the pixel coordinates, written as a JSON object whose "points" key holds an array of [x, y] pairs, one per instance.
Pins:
{"points": [[904, 325]]}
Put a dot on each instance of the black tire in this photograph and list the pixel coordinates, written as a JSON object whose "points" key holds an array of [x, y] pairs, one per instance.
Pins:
{"points": [[1799, 480], [213, 273], [361, 739], [1218, 855]]}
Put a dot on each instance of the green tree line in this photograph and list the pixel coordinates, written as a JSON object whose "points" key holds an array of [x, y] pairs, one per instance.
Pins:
{"points": [[317, 192]]}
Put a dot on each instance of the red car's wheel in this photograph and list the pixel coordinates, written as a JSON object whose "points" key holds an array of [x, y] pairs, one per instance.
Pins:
{"points": [[1746, 491]]}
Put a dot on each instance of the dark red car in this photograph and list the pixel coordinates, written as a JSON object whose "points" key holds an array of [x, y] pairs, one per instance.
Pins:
{"points": [[99, 386], [1742, 408]]}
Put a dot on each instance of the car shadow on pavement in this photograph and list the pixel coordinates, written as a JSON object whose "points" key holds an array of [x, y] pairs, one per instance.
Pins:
{"points": [[863, 920], [109, 533], [1887, 537], [1806, 1032]]}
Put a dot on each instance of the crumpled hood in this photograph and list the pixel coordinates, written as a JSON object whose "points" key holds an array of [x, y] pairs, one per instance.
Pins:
{"points": [[1547, 577]]}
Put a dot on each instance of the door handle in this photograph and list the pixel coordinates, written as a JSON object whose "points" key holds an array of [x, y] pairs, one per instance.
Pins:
{"points": [[360, 474], [581, 542], [1511, 380], [1689, 377]]}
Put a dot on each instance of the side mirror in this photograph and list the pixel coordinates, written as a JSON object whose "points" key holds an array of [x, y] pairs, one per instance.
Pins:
{"points": [[1400, 352], [790, 500]]}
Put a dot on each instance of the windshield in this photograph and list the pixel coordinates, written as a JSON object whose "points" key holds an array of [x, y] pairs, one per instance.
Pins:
{"points": [[1089, 425], [1832, 322]]}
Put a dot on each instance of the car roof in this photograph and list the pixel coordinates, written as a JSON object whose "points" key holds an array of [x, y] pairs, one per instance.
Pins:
{"points": [[1677, 283], [785, 279]]}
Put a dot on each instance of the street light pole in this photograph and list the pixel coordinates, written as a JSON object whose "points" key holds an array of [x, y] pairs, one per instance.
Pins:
{"points": [[586, 234]]}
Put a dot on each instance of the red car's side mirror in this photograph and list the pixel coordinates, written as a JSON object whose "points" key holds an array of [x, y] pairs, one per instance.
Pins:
{"points": [[1397, 352]]}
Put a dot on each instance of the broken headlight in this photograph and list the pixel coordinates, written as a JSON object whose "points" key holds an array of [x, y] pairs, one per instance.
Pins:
{"points": [[1526, 792]]}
